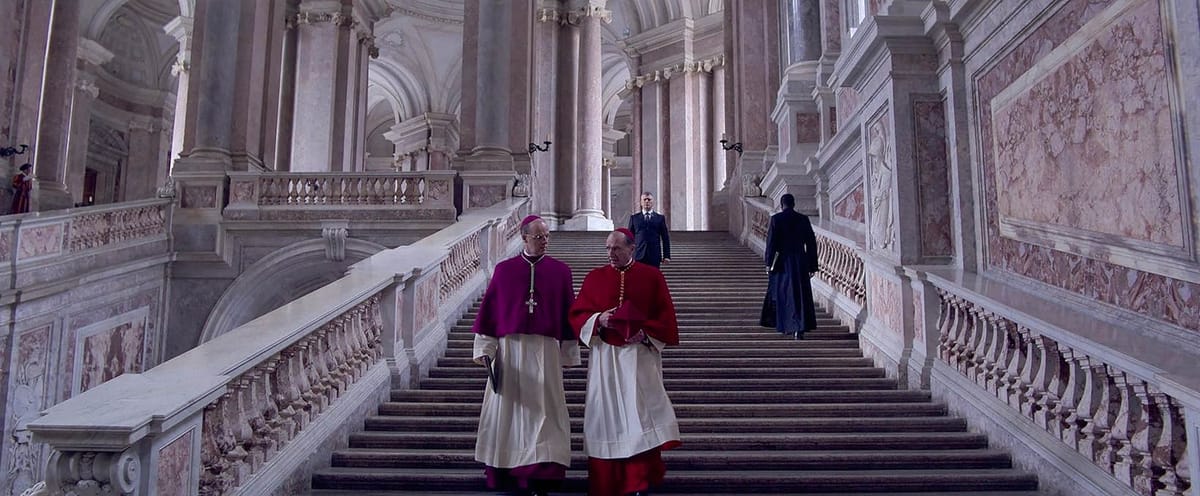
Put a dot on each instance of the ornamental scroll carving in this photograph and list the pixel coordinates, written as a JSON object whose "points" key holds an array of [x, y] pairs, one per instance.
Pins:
{"points": [[879, 161], [93, 473], [750, 185]]}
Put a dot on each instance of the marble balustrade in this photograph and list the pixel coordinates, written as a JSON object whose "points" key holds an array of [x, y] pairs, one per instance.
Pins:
{"points": [[259, 195], [1121, 421], [245, 407]]}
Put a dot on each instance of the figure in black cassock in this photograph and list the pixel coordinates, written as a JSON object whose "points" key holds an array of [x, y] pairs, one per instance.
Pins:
{"points": [[791, 258], [650, 234]]}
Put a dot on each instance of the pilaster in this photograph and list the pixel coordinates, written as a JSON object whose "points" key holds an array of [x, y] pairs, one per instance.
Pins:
{"points": [[91, 56], [54, 115]]}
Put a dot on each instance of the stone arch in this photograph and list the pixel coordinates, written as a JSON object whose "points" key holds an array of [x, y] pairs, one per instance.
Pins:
{"points": [[245, 299]]}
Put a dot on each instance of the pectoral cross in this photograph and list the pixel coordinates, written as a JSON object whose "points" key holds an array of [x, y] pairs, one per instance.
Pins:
{"points": [[530, 303]]}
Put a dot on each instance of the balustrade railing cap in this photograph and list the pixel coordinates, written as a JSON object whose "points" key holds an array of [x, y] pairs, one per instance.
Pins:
{"points": [[122, 411]]}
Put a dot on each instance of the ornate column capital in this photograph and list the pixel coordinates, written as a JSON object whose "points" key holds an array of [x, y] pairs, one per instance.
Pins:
{"points": [[145, 124], [93, 53], [86, 83]]}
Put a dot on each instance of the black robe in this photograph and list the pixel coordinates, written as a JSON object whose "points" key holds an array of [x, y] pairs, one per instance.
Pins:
{"points": [[788, 305]]}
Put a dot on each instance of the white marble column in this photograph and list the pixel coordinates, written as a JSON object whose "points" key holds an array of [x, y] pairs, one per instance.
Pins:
{"points": [[635, 145], [208, 134], [590, 164], [180, 28], [720, 159], [325, 76], [54, 113], [566, 115], [652, 103], [91, 57], [544, 100]]}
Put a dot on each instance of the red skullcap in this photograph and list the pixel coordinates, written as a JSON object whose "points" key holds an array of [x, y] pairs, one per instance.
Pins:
{"points": [[529, 219], [626, 232]]}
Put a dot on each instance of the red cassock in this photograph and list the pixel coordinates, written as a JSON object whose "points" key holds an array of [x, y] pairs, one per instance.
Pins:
{"points": [[628, 418]]}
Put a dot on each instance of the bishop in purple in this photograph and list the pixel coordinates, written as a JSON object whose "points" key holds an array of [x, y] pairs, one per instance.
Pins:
{"points": [[522, 331]]}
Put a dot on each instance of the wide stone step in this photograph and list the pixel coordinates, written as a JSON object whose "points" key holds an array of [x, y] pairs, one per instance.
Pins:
{"points": [[673, 352], [722, 363], [712, 442], [707, 481], [709, 425], [730, 334], [770, 339], [707, 384], [677, 373], [697, 397], [796, 410], [678, 460], [430, 492]]}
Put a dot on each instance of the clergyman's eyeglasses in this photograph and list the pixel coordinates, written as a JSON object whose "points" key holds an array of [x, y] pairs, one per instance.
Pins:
{"points": [[539, 237]]}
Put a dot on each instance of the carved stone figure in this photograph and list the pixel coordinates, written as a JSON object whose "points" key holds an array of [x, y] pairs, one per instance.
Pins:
{"points": [[521, 187], [27, 397], [750, 185], [881, 169]]}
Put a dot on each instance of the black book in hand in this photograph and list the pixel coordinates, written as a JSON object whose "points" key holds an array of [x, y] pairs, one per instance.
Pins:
{"points": [[493, 374]]}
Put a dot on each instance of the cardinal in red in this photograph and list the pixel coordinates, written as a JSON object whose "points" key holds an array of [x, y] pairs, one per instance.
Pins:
{"points": [[625, 315]]}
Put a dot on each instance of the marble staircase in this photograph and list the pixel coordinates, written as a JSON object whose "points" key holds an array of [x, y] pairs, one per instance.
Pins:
{"points": [[760, 413]]}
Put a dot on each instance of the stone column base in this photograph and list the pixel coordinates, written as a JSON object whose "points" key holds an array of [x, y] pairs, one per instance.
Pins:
{"points": [[587, 221]]}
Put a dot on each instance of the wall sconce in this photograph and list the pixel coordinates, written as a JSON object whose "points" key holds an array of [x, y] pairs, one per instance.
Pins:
{"points": [[12, 150], [533, 147], [736, 146]]}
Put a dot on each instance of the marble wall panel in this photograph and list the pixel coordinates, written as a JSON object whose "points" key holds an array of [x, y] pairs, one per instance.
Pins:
{"points": [[428, 292], [109, 353], [848, 101], [40, 241], [28, 393], [933, 177], [198, 197], [487, 195], [6, 248], [884, 302], [1157, 296], [173, 471], [808, 128], [918, 317], [1095, 107], [832, 24], [850, 206], [105, 318]]}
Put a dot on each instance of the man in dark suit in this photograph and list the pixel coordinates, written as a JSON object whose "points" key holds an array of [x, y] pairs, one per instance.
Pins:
{"points": [[791, 258], [650, 234]]}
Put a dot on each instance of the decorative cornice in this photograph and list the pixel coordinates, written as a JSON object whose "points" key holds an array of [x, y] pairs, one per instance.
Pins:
{"points": [[571, 16], [147, 124], [425, 17], [316, 17], [706, 65], [93, 52]]}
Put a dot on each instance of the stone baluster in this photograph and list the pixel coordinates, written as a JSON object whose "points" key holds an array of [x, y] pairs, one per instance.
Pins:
{"points": [[945, 324], [286, 394], [276, 432], [303, 401], [981, 362], [1029, 375], [264, 411], [236, 422], [1125, 427], [1169, 457], [1144, 439], [314, 393], [1104, 401], [1001, 353], [1050, 380], [1018, 384], [249, 415], [1071, 418], [215, 470]]}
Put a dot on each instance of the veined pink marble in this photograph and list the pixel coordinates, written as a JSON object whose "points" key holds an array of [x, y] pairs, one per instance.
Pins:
{"points": [[873, 6], [5, 246], [398, 305], [883, 301], [241, 192], [174, 470], [1153, 295], [39, 241], [111, 353], [437, 190], [848, 101], [933, 173], [808, 128], [832, 24], [427, 301], [486, 196], [850, 206], [1103, 113], [198, 197]]}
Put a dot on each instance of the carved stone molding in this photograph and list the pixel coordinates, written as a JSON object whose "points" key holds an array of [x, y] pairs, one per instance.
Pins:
{"points": [[335, 234], [425, 17], [315, 17]]}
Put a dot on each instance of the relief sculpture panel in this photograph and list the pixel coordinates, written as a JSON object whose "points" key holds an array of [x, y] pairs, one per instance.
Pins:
{"points": [[881, 167], [26, 398]]}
